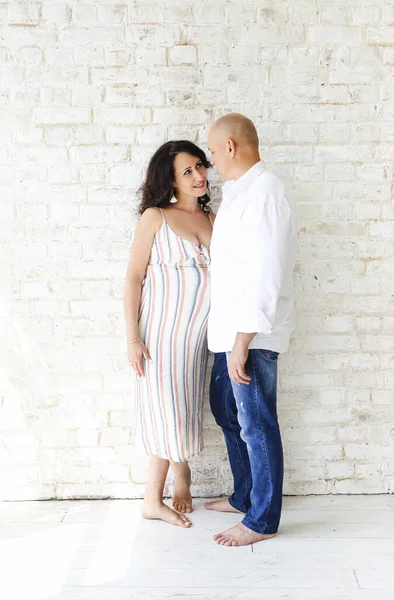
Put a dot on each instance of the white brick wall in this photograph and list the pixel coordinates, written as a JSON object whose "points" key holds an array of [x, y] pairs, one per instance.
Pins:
{"points": [[88, 91]]}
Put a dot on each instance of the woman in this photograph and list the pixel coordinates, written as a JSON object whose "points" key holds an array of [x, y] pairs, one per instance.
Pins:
{"points": [[166, 309]]}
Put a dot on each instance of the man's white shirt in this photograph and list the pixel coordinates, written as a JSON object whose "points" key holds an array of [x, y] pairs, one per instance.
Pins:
{"points": [[253, 251]]}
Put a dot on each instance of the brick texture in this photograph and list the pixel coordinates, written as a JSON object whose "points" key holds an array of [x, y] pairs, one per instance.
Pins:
{"points": [[88, 92]]}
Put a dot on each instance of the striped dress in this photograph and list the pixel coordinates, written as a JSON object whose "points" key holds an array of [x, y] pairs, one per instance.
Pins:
{"points": [[173, 319]]}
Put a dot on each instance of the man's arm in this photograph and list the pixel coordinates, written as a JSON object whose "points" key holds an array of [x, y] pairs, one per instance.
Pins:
{"points": [[238, 358], [267, 264], [267, 260]]}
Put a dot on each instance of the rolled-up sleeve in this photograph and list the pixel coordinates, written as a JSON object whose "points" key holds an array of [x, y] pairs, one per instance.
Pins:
{"points": [[267, 257]]}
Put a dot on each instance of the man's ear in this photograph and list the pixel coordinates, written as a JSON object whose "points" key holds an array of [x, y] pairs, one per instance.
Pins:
{"points": [[231, 148]]}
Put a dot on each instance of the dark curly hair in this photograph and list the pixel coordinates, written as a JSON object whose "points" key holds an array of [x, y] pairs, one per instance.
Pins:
{"points": [[158, 187]]}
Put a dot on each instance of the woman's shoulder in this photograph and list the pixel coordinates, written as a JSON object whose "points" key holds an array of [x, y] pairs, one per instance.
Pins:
{"points": [[151, 215], [151, 212], [151, 218], [211, 215]]}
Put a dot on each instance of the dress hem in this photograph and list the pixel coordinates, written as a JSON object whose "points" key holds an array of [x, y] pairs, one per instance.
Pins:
{"points": [[166, 457]]}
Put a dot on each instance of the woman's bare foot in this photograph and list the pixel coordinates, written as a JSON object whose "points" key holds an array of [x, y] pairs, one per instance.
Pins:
{"points": [[164, 513], [240, 536], [222, 505], [181, 497]]}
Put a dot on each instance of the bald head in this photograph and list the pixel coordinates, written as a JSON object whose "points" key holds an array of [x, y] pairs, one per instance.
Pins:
{"points": [[234, 145], [236, 127]]}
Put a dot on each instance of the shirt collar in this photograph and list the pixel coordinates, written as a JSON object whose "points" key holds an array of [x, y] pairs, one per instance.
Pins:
{"points": [[234, 188]]}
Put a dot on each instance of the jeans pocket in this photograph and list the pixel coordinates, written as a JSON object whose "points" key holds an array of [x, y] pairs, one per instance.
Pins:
{"points": [[270, 355]]}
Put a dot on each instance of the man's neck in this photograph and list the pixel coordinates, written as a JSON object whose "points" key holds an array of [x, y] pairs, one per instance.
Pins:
{"points": [[245, 165]]}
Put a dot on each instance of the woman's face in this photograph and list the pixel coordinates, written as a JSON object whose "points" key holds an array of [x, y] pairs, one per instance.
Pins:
{"points": [[190, 176]]}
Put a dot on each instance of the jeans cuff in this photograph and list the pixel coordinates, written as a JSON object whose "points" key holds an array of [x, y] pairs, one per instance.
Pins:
{"points": [[267, 530], [231, 503]]}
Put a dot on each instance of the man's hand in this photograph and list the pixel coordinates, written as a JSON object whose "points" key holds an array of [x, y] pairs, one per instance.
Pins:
{"points": [[238, 357]]}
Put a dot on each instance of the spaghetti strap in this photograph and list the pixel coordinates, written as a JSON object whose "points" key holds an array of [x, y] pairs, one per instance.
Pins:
{"points": [[162, 214], [209, 217]]}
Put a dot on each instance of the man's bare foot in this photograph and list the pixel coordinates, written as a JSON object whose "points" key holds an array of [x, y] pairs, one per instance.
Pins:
{"points": [[240, 536], [164, 513], [222, 505], [181, 497]]}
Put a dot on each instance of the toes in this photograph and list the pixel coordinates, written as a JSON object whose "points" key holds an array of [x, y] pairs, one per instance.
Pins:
{"points": [[225, 540], [228, 542], [219, 539], [182, 507], [185, 522]]}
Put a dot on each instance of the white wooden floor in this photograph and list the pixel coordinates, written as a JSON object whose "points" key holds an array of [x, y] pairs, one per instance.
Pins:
{"points": [[329, 547]]}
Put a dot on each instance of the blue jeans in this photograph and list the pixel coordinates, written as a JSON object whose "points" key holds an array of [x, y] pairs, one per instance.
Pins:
{"points": [[248, 417]]}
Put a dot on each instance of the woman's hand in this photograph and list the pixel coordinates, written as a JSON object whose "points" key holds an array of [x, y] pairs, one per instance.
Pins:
{"points": [[136, 352]]}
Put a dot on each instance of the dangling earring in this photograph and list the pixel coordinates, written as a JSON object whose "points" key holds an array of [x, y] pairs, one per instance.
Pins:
{"points": [[173, 199]]}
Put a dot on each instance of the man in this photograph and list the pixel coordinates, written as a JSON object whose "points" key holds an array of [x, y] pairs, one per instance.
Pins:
{"points": [[252, 252]]}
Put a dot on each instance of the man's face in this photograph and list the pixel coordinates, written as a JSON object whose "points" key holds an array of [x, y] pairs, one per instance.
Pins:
{"points": [[220, 155]]}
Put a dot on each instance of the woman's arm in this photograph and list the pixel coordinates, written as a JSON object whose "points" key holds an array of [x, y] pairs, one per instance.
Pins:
{"points": [[147, 227]]}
